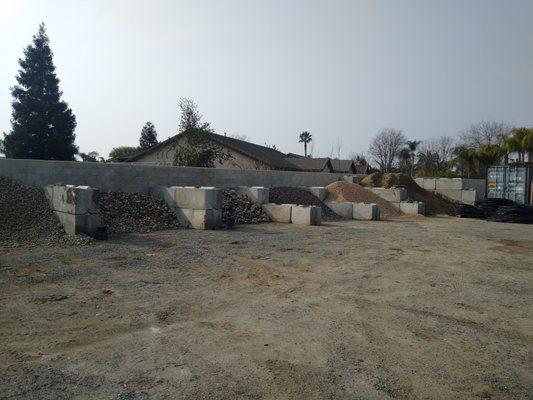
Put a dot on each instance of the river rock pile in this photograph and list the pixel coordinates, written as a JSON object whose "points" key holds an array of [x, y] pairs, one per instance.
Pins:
{"points": [[131, 212], [27, 220], [241, 209]]}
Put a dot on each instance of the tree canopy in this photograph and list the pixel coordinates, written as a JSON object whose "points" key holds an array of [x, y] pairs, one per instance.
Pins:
{"points": [[42, 124], [148, 136]]}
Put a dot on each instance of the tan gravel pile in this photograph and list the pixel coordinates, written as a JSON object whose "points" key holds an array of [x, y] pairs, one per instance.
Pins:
{"points": [[341, 191], [434, 203]]}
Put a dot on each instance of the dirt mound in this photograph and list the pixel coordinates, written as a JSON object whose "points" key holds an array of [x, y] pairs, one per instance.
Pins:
{"points": [[434, 203], [345, 191], [291, 195], [241, 209], [26, 218], [132, 212]]}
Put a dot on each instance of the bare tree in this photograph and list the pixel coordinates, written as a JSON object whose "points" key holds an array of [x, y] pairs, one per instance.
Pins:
{"points": [[485, 133], [385, 147], [190, 116], [336, 150]]}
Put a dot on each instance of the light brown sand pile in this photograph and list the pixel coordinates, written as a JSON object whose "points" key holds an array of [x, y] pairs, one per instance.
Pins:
{"points": [[344, 191], [434, 204]]}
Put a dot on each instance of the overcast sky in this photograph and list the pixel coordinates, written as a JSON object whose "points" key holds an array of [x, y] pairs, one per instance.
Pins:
{"points": [[271, 69]]}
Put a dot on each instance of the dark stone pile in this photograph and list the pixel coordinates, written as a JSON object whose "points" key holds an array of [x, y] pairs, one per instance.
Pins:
{"points": [[241, 209], [26, 218], [292, 195], [132, 212]]}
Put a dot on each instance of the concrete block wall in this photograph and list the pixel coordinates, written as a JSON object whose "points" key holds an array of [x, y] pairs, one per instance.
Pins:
{"points": [[368, 212], [467, 191], [195, 207], [140, 178], [394, 194], [306, 215], [257, 194], [77, 209]]}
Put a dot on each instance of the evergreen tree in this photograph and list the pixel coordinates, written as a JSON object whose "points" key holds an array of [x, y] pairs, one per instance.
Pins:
{"points": [[42, 124], [148, 136]]}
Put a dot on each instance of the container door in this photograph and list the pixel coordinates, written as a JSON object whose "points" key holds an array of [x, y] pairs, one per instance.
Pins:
{"points": [[496, 178], [516, 185]]}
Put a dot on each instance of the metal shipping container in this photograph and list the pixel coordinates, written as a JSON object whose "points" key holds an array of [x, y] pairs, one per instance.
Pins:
{"points": [[510, 182]]}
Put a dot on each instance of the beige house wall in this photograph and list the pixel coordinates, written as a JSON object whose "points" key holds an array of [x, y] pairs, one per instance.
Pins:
{"points": [[165, 156]]}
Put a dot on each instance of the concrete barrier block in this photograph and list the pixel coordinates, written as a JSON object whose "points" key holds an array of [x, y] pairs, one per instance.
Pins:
{"points": [[394, 194], [319, 191], [202, 198], [367, 212], [412, 208], [306, 215], [449, 183], [73, 199], [454, 194], [257, 194], [278, 212], [199, 219], [344, 209], [469, 196], [163, 193]]}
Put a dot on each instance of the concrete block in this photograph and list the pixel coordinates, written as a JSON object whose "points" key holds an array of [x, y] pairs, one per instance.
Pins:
{"points": [[344, 209], [306, 215], [412, 208], [454, 194], [319, 191], [449, 183], [199, 219], [73, 199], [469, 196], [257, 194], [74, 224], [202, 198], [278, 212], [394, 194], [426, 183], [163, 193], [368, 212]]}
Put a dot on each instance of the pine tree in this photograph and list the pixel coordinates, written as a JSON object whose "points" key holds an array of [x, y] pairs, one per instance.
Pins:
{"points": [[148, 136], [42, 124]]}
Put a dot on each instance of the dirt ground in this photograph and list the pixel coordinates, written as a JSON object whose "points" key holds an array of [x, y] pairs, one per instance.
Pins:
{"points": [[428, 308]]}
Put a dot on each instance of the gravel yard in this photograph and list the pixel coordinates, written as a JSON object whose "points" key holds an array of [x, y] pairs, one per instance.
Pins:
{"points": [[413, 308]]}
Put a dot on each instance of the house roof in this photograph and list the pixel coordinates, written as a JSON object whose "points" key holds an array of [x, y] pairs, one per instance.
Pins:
{"points": [[311, 164], [267, 155], [342, 165]]}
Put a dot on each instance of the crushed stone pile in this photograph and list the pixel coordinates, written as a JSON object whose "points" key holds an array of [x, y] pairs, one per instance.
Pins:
{"points": [[292, 195], [131, 212], [27, 220], [241, 209], [434, 203], [341, 191]]}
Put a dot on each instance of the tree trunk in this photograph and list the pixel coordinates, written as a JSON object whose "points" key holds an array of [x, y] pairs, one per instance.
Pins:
{"points": [[305, 149]]}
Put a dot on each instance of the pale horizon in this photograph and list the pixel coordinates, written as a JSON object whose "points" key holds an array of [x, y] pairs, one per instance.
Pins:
{"points": [[341, 70]]}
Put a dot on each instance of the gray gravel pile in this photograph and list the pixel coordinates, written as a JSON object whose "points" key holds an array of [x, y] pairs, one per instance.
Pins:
{"points": [[243, 210], [132, 212], [292, 195], [26, 218]]}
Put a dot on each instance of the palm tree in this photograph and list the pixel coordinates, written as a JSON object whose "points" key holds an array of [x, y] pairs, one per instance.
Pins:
{"points": [[305, 137], [466, 158], [520, 142], [405, 159], [412, 145]]}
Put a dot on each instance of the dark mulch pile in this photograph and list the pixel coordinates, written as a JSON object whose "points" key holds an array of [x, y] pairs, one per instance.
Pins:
{"points": [[241, 209], [132, 212], [291, 195]]}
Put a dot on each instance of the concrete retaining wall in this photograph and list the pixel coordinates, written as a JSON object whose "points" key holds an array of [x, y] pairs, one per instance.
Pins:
{"points": [[467, 191], [139, 178]]}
